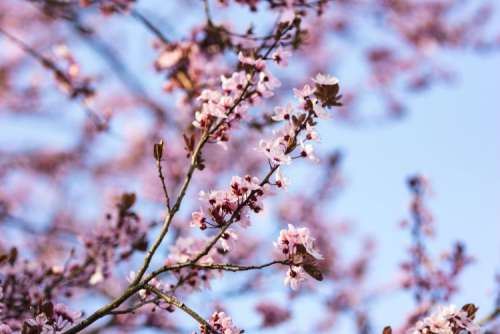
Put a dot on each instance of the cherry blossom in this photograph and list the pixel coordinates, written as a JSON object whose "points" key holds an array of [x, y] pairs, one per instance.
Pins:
{"points": [[222, 323], [283, 113], [171, 147], [280, 57], [325, 80], [446, 319]]}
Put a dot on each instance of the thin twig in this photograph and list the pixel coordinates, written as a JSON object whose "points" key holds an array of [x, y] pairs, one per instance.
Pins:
{"points": [[206, 7], [149, 25], [163, 184], [235, 268], [174, 301], [137, 284], [135, 307]]}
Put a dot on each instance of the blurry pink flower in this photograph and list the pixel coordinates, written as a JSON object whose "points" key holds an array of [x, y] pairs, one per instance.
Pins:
{"points": [[280, 57], [306, 91], [294, 277], [325, 80], [307, 151], [235, 83], [223, 324], [447, 320], [283, 113], [280, 180]]}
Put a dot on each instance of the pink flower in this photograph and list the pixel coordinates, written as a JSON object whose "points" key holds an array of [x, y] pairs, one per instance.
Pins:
{"points": [[223, 324], [184, 250], [208, 95], [307, 151], [306, 91], [272, 314], [280, 57], [294, 277], [168, 58], [214, 109], [259, 64], [267, 83], [320, 111], [325, 80], [280, 180], [288, 14], [245, 60], [283, 113], [4, 329], [274, 152], [241, 186], [288, 241], [311, 134], [235, 83], [228, 240], [198, 219], [97, 277], [447, 320]]}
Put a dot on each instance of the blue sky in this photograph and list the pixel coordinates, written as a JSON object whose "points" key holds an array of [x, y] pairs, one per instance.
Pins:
{"points": [[451, 135]]}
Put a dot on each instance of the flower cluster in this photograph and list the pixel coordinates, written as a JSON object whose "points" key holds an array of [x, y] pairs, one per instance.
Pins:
{"points": [[297, 245], [116, 239], [312, 103], [222, 206], [222, 323], [51, 319], [185, 250], [272, 314], [219, 110], [448, 320], [69, 78]]}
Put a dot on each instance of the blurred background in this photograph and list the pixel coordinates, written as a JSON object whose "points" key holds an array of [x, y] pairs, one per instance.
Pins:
{"points": [[431, 109]]}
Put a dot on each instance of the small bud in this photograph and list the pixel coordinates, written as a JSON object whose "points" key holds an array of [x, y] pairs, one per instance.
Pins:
{"points": [[158, 150], [470, 309], [387, 330], [127, 201]]}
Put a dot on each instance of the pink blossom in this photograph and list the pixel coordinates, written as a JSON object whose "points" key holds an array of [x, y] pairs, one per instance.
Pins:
{"points": [[320, 110], [280, 57], [223, 323], [235, 83], [325, 80], [307, 151], [292, 237], [283, 113], [294, 277], [228, 240], [311, 134], [280, 180], [305, 92], [447, 320], [4, 329], [274, 152], [198, 219], [267, 83], [169, 58]]}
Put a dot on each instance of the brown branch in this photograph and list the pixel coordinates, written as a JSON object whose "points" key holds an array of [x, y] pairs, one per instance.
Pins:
{"points": [[137, 285], [174, 301], [134, 307], [149, 25], [235, 268]]}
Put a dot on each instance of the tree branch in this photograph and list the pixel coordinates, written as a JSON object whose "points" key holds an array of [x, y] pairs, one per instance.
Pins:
{"points": [[174, 301], [136, 284]]}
